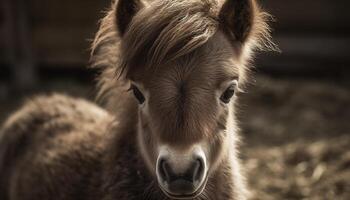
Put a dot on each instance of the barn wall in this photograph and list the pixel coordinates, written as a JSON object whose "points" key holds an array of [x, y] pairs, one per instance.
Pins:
{"points": [[62, 30], [310, 33]]}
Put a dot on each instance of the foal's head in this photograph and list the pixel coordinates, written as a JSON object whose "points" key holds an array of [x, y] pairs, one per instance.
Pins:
{"points": [[185, 61]]}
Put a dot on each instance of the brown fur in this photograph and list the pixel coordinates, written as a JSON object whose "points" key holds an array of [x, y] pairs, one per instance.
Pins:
{"points": [[57, 147]]}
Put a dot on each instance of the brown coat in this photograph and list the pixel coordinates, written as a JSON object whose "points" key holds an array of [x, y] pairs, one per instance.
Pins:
{"points": [[60, 148]]}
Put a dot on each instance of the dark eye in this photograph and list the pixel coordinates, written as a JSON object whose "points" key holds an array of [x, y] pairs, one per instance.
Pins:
{"points": [[138, 94], [228, 94]]}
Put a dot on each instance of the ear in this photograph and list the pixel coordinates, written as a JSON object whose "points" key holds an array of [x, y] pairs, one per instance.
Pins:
{"points": [[125, 11], [237, 17]]}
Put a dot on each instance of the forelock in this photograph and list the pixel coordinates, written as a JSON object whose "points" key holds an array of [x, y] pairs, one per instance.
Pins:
{"points": [[167, 30]]}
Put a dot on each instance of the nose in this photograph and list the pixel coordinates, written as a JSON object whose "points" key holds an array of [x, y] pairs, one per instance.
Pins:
{"points": [[181, 183]]}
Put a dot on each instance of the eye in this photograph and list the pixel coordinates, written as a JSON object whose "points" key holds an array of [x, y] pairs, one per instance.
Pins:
{"points": [[138, 94], [228, 94]]}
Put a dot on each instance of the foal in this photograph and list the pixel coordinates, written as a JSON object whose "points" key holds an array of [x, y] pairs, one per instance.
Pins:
{"points": [[170, 71]]}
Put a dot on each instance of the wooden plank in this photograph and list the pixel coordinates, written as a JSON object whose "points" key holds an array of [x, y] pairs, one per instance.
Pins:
{"points": [[62, 37], [306, 52], [64, 58], [314, 46], [63, 44], [67, 11], [19, 46], [310, 15]]}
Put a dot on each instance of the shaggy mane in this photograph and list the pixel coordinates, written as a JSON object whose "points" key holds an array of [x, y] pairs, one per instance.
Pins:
{"points": [[163, 32]]}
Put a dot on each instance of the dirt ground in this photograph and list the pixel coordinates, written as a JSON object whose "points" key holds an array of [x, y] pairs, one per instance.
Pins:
{"points": [[296, 135], [297, 139]]}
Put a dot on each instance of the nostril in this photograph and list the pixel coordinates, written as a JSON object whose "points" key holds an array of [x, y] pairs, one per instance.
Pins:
{"points": [[197, 172], [164, 170]]}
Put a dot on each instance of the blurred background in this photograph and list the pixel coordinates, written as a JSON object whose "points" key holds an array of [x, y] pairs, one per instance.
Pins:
{"points": [[295, 116]]}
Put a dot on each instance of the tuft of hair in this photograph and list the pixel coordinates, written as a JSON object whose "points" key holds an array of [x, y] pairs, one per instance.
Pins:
{"points": [[166, 31]]}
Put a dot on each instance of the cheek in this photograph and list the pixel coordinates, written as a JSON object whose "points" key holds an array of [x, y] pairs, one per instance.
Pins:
{"points": [[218, 141], [216, 146], [147, 140]]}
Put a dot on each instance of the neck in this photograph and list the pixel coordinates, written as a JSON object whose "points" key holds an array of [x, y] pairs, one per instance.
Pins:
{"points": [[231, 174]]}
